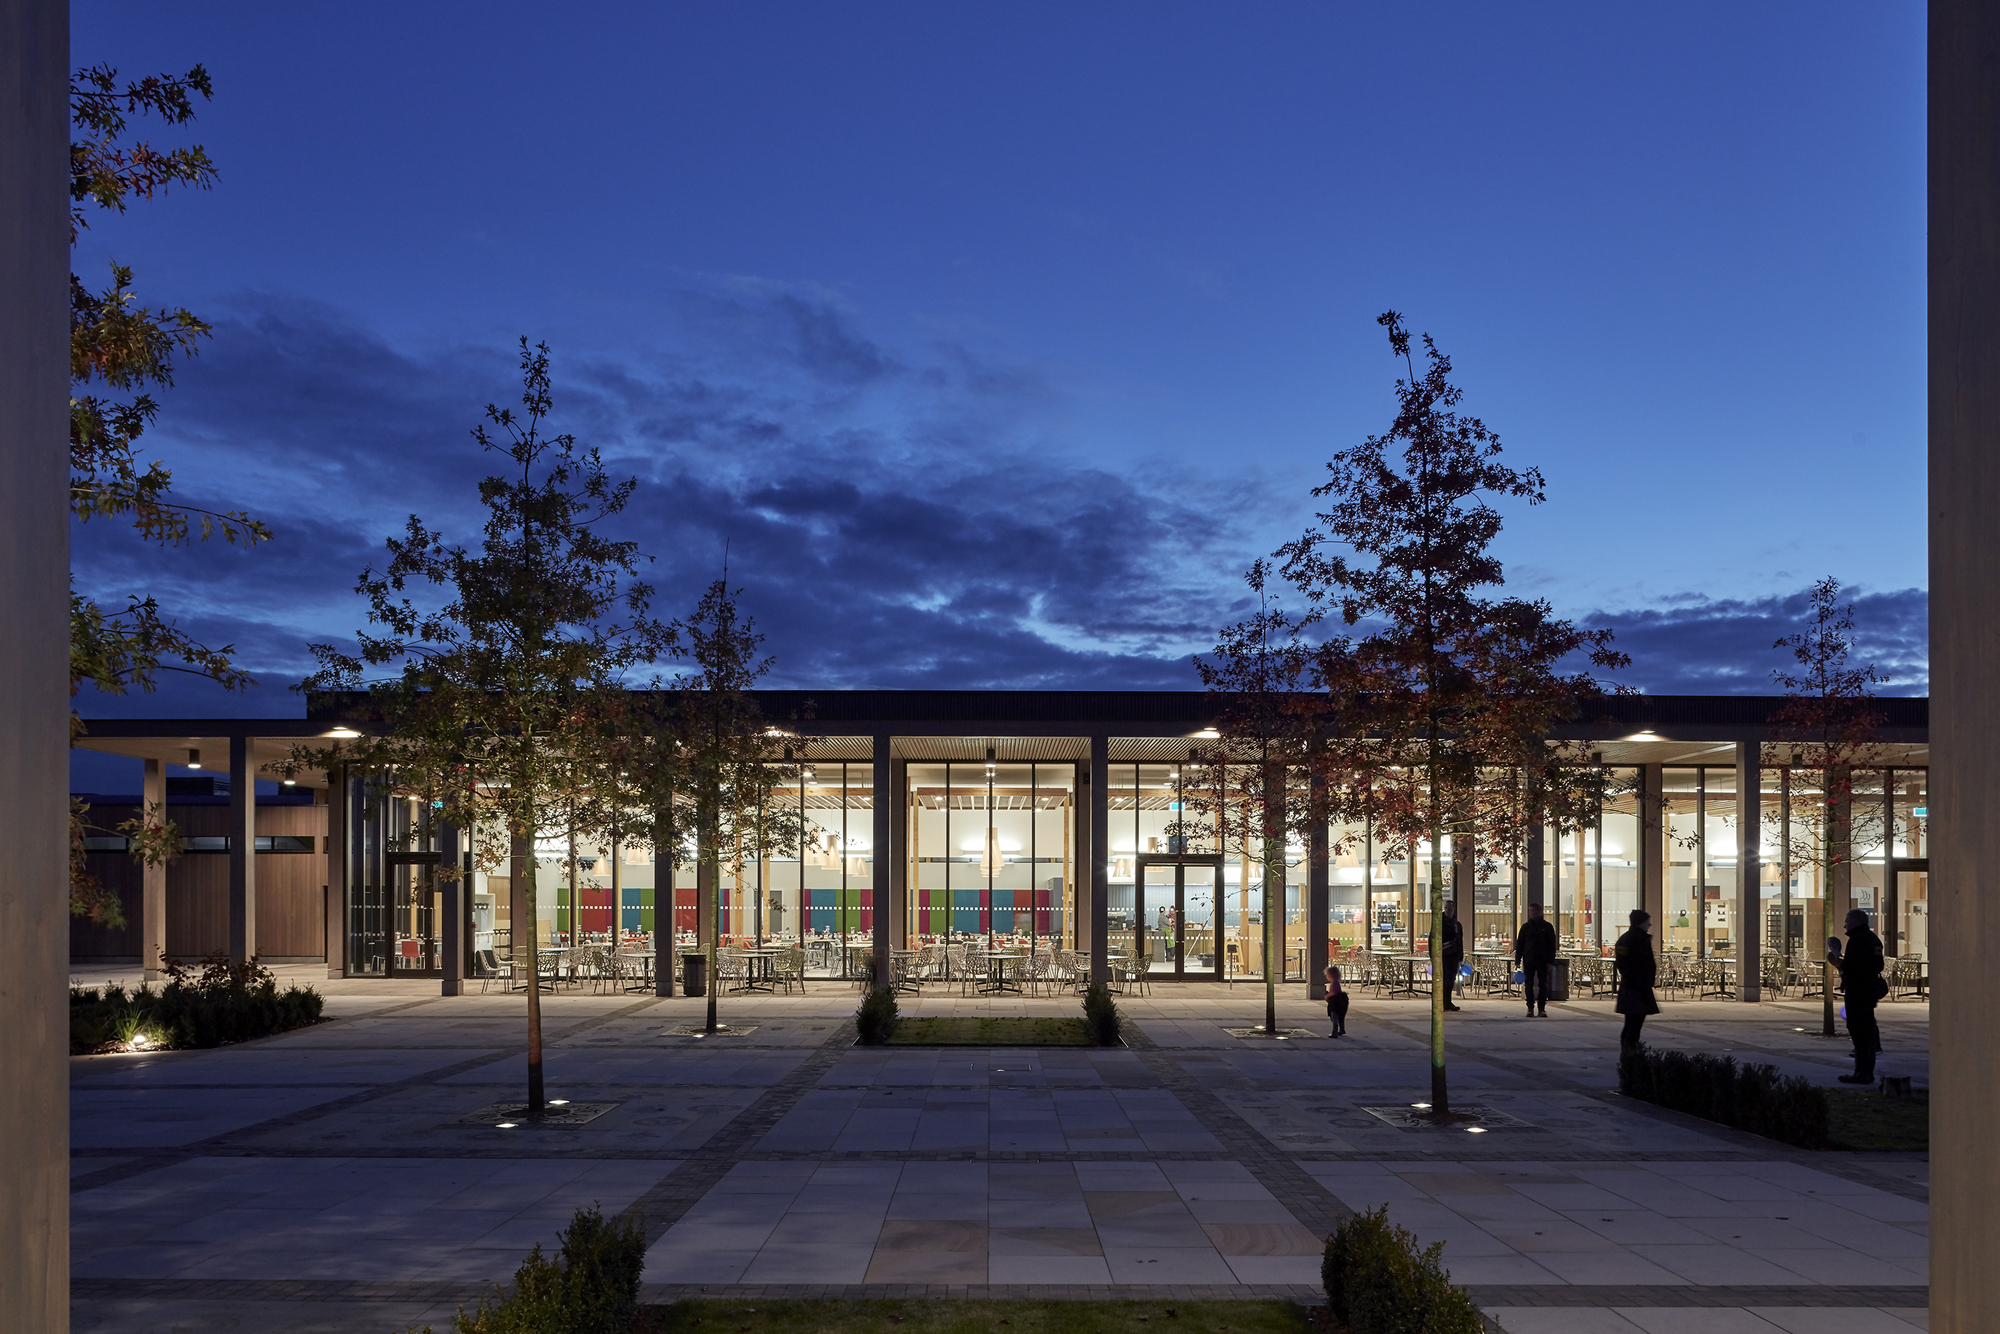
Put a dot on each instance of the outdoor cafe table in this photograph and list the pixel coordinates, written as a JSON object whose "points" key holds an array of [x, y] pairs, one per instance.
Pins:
{"points": [[757, 968], [905, 977], [999, 962], [1409, 962]]}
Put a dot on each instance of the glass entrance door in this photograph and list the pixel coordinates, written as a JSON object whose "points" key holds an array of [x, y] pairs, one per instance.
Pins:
{"points": [[1905, 923], [1174, 917], [416, 917]]}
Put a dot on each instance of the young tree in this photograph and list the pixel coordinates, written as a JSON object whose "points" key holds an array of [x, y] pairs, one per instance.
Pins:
{"points": [[119, 352], [1442, 704], [1826, 728], [499, 688], [117, 347], [707, 755], [1266, 729]]}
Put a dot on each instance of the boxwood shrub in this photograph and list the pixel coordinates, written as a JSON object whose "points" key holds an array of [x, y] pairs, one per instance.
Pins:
{"points": [[1379, 1281], [1755, 1098], [593, 1288], [220, 1003]]}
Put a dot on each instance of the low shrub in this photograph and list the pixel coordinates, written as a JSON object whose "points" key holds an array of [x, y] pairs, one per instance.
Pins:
{"points": [[1100, 1016], [1755, 1098], [593, 1288], [876, 1018], [1379, 1282], [221, 1003]]}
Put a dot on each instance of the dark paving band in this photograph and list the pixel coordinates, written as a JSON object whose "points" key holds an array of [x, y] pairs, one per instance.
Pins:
{"points": [[1801, 1296]]}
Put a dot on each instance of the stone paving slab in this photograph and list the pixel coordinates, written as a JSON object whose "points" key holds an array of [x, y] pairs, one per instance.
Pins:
{"points": [[789, 1162]]}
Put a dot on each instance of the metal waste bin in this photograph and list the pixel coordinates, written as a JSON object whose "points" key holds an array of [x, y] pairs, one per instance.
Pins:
{"points": [[1559, 980], [694, 975]]}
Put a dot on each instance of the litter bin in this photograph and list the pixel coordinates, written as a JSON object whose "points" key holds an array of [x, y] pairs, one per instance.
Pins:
{"points": [[694, 975], [1559, 980]]}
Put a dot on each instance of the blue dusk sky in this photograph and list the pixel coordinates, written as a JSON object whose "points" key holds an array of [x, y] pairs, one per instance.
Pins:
{"points": [[996, 340]]}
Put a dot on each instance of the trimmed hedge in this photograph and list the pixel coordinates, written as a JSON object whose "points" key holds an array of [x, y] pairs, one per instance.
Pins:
{"points": [[1755, 1098], [875, 1019], [592, 1289], [1378, 1281], [1100, 1016], [222, 1003]]}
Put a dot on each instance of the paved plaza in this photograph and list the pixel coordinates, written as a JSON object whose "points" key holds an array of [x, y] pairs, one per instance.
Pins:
{"points": [[351, 1176]]}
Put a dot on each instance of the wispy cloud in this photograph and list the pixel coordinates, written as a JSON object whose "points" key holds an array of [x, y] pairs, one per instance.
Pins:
{"points": [[896, 517]]}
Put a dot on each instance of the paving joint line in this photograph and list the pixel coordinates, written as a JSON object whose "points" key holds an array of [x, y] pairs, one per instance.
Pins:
{"points": [[1298, 1190], [703, 1168]]}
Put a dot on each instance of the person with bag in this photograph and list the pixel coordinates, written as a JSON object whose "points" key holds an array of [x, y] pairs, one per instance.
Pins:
{"points": [[1454, 949], [1633, 962], [1535, 952], [1862, 984]]}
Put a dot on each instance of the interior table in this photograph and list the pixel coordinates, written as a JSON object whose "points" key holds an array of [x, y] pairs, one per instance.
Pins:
{"points": [[996, 980]]}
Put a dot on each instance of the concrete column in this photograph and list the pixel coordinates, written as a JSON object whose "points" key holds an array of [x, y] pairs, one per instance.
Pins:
{"points": [[34, 663], [886, 852], [705, 882], [1096, 853], [1317, 877], [242, 850], [456, 894], [1534, 885], [1749, 874], [153, 879], [1964, 183], [1653, 845], [665, 949]]}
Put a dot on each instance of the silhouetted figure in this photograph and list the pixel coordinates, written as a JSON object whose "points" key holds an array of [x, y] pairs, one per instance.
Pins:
{"points": [[1454, 950], [1336, 1001], [1861, 980], [1632, 959], [1535, 952]]}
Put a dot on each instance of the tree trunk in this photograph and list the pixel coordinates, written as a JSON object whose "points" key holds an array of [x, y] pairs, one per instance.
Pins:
{"points": [[1274, 890], [1440, 1096], [522, 857], [712, 855]]}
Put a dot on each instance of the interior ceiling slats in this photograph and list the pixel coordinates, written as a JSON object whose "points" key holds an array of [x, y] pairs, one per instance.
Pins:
{"points": [[1006, 749]]}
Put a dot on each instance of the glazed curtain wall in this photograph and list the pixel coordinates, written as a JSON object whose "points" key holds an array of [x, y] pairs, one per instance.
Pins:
{"points": [[991, 850]]}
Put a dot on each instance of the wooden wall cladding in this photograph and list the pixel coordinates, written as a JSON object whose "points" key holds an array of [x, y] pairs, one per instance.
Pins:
{"points": [[291, 913]]}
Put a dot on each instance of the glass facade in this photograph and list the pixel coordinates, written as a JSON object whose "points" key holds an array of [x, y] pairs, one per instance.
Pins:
{"points": [[994, 851]]}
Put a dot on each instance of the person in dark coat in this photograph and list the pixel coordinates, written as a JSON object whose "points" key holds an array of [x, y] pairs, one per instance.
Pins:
{"points": [[1336, 1001], [1861, 983], [1632, 959], [1535, 952], [1454, 949]]}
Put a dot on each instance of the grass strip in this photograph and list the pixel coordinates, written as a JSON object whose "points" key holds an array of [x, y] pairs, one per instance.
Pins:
{"points": [[1863, 1119], [723, 1315], [977, 1031]]}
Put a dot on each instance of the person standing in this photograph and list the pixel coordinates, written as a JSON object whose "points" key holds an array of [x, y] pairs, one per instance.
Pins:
{"points": [[1632, 959], [1454, 949], [1535, 952], [1336, 1001], [1862, 985]]}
